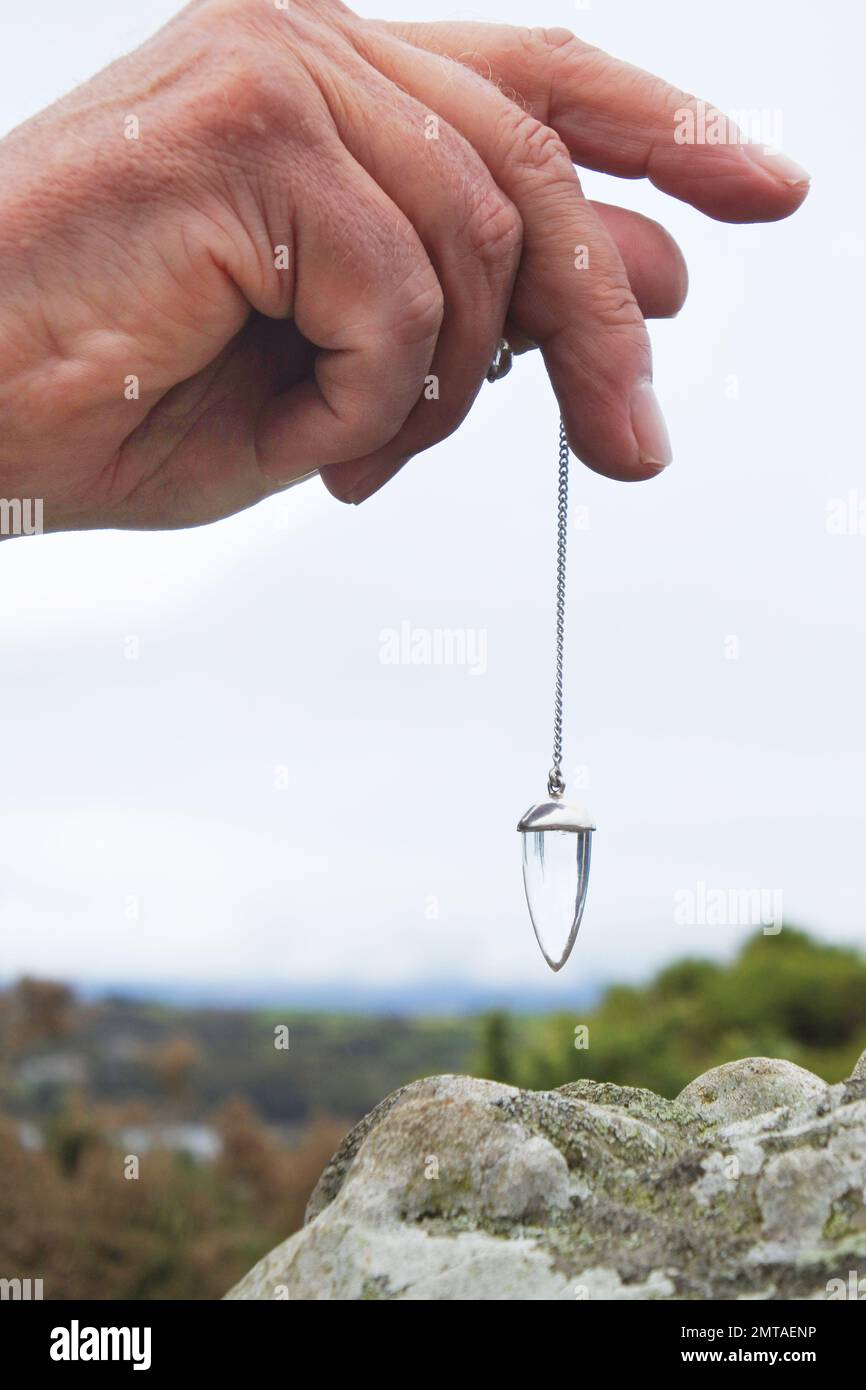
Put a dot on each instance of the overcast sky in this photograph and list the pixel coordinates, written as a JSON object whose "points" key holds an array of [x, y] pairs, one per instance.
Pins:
{"points": [[259, 797]]}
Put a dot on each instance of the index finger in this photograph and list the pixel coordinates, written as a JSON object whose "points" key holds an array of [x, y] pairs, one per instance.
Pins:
{"points": [[618, 119]]}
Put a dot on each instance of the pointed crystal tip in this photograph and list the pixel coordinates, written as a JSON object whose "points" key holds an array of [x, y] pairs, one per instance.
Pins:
{"points": [[556, 877]]}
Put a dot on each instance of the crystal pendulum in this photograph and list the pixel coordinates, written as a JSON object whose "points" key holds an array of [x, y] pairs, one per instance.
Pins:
{"points": [[557, 837]]}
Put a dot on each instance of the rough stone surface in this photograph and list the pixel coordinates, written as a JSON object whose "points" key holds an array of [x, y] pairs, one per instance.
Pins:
{"points": [[739, 1090], [751, 1185]]}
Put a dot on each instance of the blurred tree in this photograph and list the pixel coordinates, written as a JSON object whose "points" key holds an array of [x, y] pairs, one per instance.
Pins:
{"points": [[250, 1157], [782, 996], [173, 1063], [70, 1215], [35, 1011], [72, 1133], [495, 1052]]}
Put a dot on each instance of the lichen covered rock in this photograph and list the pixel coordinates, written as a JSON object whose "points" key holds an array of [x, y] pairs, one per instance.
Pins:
{"points": [[749, 1185], [859, 1072], [738, 1090]]}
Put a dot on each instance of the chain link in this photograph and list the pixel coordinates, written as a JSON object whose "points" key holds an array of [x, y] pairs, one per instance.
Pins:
{"points": [[555, 782]]}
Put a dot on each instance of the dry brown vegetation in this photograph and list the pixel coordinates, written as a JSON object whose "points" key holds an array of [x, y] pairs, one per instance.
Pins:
{"points": [[79, 1215]]}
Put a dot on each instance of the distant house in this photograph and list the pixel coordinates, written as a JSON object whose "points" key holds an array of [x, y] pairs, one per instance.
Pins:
{"points": [[52, 1069], [201, 1142]]}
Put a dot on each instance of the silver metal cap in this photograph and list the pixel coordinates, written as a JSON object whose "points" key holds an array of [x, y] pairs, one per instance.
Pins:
{"points": [[556, 815]]}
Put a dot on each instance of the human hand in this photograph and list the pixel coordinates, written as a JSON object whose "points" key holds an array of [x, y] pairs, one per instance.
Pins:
{"points": [[236, 256]]}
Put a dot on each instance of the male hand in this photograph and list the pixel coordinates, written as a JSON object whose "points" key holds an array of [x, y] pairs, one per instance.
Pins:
{"points": [[239, 255]]}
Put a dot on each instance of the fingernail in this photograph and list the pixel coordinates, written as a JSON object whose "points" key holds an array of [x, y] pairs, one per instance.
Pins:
{"points": [[361, 486], [649, 427], [778, 164], [370, 482], [365, 487]]}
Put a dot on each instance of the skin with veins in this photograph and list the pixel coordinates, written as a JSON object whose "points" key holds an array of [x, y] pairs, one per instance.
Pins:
{"points": [[256, 277]]}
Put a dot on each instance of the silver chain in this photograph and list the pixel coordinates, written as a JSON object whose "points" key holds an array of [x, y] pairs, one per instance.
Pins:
{"points": [[555, 782]]}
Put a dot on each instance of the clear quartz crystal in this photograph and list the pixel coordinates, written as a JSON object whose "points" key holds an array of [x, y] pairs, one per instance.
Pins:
{"points": [[555, 876]]}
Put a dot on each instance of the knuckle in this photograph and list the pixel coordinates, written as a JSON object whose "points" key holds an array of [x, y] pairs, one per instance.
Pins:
{"points": [[616, 305], [537, 147], [494, 230], [540, 43], [545, 53], [418, 308], [246, 104]]}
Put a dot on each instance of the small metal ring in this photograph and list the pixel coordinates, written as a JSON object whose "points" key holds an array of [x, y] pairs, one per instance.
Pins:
{"points": [[555, 783], [502, 362]]}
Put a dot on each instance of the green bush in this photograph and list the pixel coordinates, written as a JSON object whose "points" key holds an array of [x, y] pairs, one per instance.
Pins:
{"points": [[783, 996]]}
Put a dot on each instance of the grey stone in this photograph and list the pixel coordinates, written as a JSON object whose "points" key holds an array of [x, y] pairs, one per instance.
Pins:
{"points": [[738, 1090], [859, 1072], [749, 1186]]}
